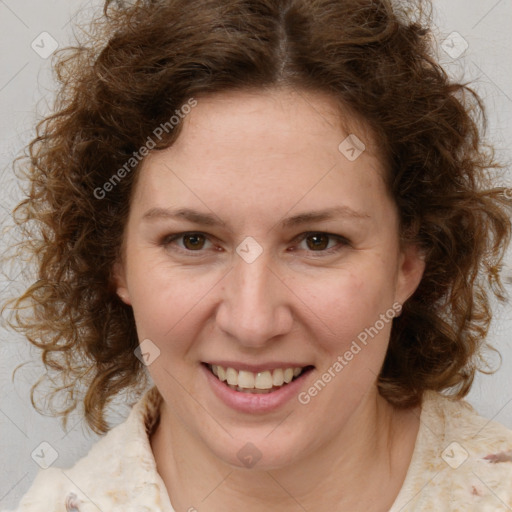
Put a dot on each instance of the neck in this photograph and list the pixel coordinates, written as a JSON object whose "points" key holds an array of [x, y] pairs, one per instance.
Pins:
{"points": [[361, 468]]}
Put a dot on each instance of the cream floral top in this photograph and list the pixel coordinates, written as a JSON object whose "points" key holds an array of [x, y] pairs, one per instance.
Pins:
{"points": [[461, 462]]}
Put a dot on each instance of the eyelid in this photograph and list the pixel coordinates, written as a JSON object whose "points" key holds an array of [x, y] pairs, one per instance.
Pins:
{"points": [[331, 235], [342, 242], [169, 239]]}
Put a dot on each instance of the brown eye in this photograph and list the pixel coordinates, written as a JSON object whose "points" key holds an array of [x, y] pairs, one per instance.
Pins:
{"points": [[185, 244], [194, 241], [317, 242]]}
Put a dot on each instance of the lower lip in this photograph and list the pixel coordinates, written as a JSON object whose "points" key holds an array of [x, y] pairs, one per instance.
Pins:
{"points": [[254, 402]]}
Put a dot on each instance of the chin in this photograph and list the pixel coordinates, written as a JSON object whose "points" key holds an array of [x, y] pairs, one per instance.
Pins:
{"points": [[258, 453]]}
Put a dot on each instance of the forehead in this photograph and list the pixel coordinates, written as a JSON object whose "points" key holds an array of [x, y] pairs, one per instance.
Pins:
{"points": [[279, 146], [283, 118]]}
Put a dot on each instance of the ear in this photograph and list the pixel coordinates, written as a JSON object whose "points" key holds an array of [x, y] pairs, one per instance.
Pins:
{"points": [[119, 276], [410, 272]]}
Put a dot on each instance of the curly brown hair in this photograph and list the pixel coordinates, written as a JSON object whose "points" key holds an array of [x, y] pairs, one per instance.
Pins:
{"points": [[143, 61]]}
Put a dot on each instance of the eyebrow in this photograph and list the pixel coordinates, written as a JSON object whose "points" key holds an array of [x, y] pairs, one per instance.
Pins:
{"points": [[185, 214], [322, 215], [207, 219]]}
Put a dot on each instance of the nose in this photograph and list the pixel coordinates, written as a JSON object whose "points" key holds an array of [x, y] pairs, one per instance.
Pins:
{"points": [[255, 305]]}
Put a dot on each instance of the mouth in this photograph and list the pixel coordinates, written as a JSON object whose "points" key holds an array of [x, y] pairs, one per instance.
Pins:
{"points": [[262, 382]]}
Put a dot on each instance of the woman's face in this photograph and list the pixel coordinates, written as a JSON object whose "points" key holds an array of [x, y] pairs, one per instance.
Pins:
{"points": [[261, 241]]}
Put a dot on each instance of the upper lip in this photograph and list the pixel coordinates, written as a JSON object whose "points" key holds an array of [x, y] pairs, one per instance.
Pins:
{"points": [[255, 368]]}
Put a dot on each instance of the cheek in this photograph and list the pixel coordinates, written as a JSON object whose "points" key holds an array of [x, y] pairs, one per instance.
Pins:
{"points": [[347, 303], [167, 302]]}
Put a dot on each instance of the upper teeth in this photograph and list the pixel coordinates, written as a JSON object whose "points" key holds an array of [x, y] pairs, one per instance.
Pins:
{"points": [[261, 380]]}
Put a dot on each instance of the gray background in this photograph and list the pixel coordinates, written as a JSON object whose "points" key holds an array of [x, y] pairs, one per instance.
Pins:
{"points": [[25, 90]]}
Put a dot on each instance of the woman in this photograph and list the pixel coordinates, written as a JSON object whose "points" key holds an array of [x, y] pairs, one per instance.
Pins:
{"points": [[282, 210]]}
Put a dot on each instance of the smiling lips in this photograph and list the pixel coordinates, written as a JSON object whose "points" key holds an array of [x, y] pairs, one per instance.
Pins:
{"points": [[265, 381]]}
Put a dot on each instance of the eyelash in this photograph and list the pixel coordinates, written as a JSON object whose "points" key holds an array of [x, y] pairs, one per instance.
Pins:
{"points": [[342, 242]]}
